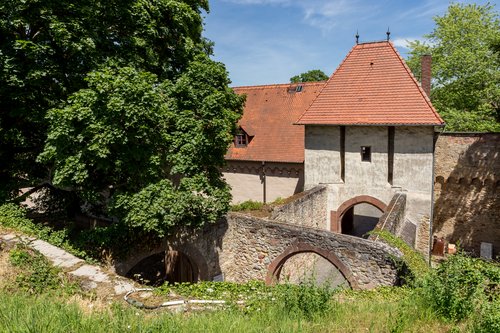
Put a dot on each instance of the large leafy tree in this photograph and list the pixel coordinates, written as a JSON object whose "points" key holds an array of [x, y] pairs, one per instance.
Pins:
{"points": [[309, 76], [466, 70], [117, 102]]}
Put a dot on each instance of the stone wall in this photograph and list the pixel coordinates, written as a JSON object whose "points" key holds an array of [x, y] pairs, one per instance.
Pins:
{"points": [[243, 248], [467, 203], [308, 210]]}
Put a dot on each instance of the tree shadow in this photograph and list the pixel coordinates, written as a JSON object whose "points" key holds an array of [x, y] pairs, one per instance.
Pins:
{"points": [[467, 206]]}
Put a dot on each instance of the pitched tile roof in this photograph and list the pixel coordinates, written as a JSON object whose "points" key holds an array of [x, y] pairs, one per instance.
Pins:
{"points": [[372, 86], [269, 115]]}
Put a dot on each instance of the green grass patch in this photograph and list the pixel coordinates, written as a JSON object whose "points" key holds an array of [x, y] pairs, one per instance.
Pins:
{"points": [[247, 205]]}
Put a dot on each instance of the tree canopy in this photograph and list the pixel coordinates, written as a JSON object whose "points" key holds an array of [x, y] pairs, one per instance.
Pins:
{"points": [[309, 76], [118, 102], [465, 66]]}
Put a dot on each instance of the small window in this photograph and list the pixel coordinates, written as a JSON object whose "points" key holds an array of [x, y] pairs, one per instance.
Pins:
{"points": [[241, 140], [299, 88], [366, 153]]}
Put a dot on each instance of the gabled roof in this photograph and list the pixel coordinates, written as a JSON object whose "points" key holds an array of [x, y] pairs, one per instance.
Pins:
{"points": [[372, 86], [268, 118]]}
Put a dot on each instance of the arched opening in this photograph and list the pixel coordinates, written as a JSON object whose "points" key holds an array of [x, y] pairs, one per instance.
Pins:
{"points": [[276, 273], [166, 266], [309, 267], [360, 219], [358, 215]]}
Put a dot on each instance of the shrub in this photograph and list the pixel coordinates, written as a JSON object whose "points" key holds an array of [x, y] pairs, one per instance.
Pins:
{"points": [[489, 318], [461, 287], [247, 205]]}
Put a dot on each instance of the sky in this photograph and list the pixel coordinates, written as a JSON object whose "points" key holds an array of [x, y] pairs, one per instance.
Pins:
{"points": [[269, 41]]}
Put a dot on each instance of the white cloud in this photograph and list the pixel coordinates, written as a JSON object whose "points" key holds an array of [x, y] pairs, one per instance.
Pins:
{"points": [[403, 42], [321, 14]]}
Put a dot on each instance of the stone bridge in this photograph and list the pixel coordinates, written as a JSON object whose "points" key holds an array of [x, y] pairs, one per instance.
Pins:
{"points": [[240, 248]]}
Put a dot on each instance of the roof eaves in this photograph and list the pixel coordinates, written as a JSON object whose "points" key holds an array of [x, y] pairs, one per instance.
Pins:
{"points": [[424, 95]]}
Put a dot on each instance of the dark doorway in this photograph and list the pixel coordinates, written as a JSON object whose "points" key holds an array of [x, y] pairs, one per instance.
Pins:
{"points": [[167, 266], [360, 219], [179, 268]]}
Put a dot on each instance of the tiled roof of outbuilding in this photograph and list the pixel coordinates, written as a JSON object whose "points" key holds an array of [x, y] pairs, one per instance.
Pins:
{"points": [[268, 117], [372, 86]]}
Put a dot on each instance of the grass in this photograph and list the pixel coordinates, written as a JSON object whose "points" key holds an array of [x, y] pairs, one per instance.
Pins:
{"points": [[44, 313]]}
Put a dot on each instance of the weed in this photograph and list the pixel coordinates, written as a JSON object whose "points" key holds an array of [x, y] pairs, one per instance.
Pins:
{"points": [[413, 263], [36, 275], [461, 287], [247, 205]]}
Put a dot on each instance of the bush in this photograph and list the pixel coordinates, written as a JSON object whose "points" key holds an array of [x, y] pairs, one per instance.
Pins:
{"points": [[488, 320], [247, 205], [461, 287]]}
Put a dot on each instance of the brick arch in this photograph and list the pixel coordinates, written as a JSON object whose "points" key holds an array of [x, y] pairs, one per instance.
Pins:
{"points": [[336, 216], [274, 269]]}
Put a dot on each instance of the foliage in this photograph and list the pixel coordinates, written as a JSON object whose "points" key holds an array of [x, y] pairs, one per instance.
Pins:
{"points": [[466, 70], [309, 76], [48, 47], [247, 205], [415, 266], [127, 102], [461, 287], [488, 319], [36, 275], [14, 217], [304, 300]]}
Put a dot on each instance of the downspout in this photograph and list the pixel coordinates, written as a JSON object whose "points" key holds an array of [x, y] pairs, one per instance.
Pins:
{"points": [[264, 181]]}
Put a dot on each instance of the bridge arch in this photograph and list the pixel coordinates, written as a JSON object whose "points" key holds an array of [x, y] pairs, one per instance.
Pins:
{"points": [[336, 217], [274, 268], [194, 256]]}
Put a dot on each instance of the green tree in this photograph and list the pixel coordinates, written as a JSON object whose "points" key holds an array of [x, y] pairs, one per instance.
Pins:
{"points": [[119, 103], [47, 48], [466, 71], [309, 76]]}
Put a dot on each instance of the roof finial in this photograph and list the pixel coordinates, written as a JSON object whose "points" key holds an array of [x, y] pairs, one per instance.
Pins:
{"points": [[357, 37], [388, 33]]}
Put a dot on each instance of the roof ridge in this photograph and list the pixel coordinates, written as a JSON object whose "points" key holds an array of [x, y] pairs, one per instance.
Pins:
{"points": [[422, 92], [276, 85]]}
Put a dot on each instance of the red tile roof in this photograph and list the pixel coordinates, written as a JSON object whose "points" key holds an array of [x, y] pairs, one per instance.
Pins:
{"points": [[372, 86], [269, 114]]}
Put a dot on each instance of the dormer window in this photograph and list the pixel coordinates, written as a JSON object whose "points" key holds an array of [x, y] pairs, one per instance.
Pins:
{"points": [[241, 139]]}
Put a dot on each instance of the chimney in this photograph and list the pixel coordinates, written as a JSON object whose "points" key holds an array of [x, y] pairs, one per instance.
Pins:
{"points": [[425, 79]]}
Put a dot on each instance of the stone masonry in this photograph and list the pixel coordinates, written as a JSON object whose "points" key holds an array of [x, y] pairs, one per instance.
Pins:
{"points": [[243, 248], [467, 177]]}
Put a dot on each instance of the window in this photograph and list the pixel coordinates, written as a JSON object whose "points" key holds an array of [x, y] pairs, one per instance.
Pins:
{"points": [[241, 139], [366, 153]]}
